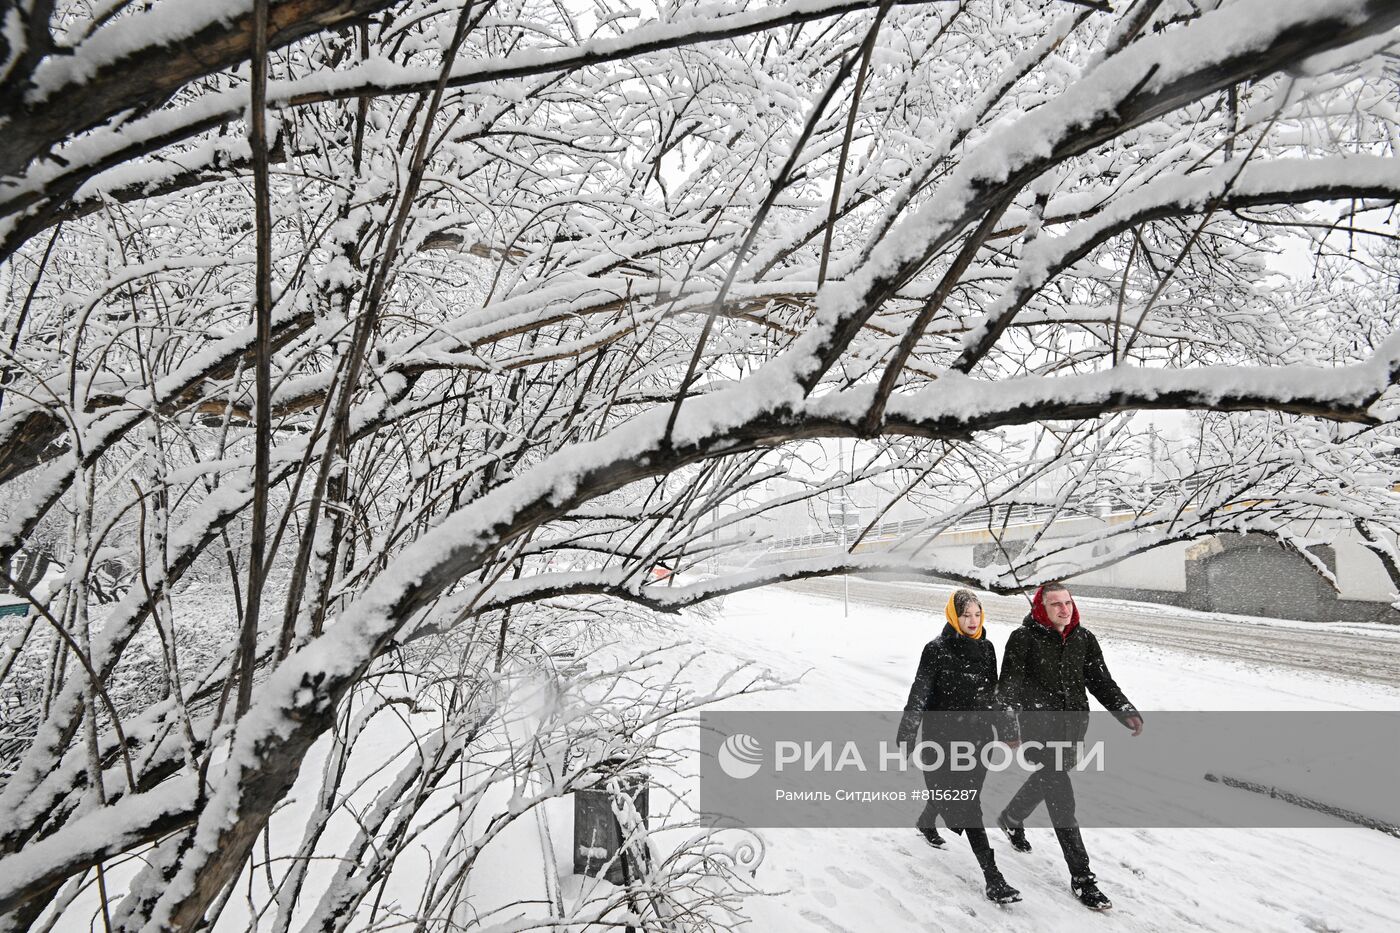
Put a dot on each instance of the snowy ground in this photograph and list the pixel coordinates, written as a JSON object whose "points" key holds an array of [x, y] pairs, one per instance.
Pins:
{"points": [[879, 879], [887, 879]]}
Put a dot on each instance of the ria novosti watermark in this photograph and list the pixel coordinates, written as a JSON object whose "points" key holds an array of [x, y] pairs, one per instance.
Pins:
{"points": [[1253, 769], [741, 756]]}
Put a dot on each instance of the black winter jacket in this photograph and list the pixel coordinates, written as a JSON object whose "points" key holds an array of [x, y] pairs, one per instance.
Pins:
{"points": [[1044, 672], [956, 674]]}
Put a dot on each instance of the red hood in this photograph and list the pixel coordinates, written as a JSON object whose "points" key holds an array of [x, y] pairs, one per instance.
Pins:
{"points": [[1040, 615]]}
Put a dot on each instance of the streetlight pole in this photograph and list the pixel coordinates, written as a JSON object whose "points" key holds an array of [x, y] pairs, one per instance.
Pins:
{"points": [[845, 514]]}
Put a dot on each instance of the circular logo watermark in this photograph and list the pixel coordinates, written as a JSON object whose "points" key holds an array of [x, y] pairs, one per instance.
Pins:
{"points": [[740, 756]]}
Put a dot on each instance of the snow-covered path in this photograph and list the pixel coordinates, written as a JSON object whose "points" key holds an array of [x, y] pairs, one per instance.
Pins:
{"points": [[879, 879]]}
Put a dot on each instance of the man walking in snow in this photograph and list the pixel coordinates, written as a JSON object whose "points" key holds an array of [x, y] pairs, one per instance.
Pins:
{"points": [[1049, 663]]}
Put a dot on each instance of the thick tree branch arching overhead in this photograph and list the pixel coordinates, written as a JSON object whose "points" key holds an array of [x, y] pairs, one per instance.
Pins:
{"points": [[139, 61]]}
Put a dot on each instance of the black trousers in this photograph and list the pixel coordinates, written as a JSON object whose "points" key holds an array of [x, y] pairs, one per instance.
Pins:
{"points": [[1052, 786], [961, 808], [1048, 785]]}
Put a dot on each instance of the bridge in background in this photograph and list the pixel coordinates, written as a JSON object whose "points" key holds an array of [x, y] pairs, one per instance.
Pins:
{"points": [[1248, 574]]}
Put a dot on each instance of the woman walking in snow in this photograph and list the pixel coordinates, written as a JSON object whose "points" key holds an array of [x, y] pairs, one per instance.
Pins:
{"points": [[957, 674]]}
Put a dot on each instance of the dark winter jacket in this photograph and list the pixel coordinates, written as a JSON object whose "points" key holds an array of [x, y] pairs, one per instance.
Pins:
{"points": [[955, 674], [1045, 671]]}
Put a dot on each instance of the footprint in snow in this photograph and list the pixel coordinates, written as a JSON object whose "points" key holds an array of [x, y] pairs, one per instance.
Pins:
{"points": [[851, 879], [900, 910], [811, 916]]}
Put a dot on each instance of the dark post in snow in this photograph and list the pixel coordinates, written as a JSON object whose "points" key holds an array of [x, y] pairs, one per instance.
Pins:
{"points": [[598, 835]]}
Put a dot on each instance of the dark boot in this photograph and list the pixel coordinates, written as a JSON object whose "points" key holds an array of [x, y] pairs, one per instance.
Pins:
{"points": [[1088, 892], [1015, 832], [998, 891], [932, 837]]}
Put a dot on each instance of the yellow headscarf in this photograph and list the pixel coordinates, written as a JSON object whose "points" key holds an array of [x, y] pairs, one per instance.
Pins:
{"points": [[952, 615]]}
